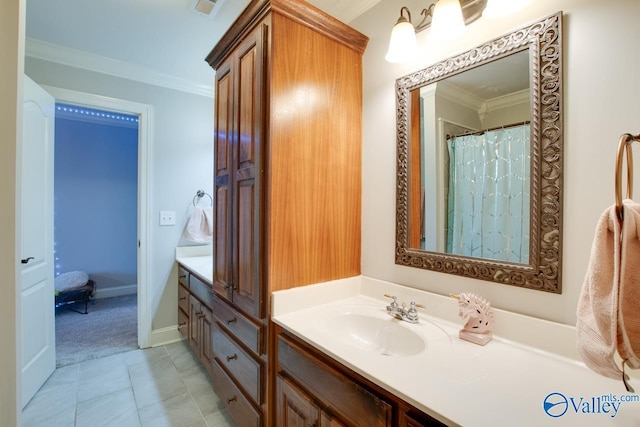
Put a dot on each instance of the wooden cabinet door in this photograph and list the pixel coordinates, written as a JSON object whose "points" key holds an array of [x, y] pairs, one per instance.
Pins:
{"points": [[239, 122], [223, 149], [195, 311], [294, 408], [206, 351], [248, 157]]}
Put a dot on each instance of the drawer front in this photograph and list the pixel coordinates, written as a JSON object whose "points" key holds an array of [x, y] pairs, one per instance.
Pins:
{"points": [[183, 298], [245, 330], [244, 368], [183, 323], [241, 410], [339, 393], [183, 276], [201, 290]]}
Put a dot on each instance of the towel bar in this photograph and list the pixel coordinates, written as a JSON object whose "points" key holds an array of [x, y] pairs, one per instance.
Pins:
{"points": [[199, 195], [624, 146]]}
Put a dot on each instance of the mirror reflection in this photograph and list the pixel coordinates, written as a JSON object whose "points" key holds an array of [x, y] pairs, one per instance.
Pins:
{"points": [[471, 196], [479, 161]]}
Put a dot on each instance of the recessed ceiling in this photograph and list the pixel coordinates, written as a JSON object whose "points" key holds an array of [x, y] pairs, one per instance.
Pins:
{"points": [[161, 36]]}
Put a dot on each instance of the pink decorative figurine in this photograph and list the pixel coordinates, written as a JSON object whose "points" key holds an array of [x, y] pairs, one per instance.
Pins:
{"points": [[479, 317]]}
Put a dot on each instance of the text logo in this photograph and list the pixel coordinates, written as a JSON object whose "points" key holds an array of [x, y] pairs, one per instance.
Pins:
{"points": [[555, 405]]}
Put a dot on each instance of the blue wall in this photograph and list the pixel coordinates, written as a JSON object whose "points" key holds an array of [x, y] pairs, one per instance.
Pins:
{"points": [[95, 196]]}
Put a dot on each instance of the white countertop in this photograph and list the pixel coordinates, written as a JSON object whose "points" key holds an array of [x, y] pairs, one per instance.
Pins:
{"points": [[503, 383], [196, 259]]}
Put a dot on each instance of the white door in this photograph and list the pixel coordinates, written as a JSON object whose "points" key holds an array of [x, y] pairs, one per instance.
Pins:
{"points": [[36, 186]]}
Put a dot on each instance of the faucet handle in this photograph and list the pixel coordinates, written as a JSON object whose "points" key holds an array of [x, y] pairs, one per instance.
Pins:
{"points": [[412, 313], [394, 303], [414, 306]]}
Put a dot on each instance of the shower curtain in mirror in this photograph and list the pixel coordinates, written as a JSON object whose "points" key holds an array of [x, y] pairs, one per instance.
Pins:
{"points": [[489, 186]]}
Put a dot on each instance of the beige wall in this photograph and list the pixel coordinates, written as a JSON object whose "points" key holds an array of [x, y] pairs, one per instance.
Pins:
{"points": [[601, 91], [12, 48]]}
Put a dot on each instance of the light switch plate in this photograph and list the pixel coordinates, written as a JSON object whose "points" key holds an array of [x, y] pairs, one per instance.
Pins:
{"points": [[167, 218]]}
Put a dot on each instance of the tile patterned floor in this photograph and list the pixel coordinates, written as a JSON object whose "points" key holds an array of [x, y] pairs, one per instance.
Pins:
{"points": [[157, 387]]}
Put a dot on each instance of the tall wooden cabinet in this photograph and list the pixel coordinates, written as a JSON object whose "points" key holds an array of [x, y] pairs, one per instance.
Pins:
{"points": [[287, 171]]}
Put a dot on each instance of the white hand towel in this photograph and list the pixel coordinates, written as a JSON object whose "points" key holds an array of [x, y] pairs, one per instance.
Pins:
{"points": [[199, 228]]}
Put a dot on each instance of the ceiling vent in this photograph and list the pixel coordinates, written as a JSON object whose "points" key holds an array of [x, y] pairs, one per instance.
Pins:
{"points": [[207, 8]]}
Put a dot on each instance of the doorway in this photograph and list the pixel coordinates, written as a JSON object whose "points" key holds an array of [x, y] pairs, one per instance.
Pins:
{"points": [[95, 232], [143, 112]]}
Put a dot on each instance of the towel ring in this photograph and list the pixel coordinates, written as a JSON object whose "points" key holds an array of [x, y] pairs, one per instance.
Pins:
{"points": [[624, 147], [199, 195]]}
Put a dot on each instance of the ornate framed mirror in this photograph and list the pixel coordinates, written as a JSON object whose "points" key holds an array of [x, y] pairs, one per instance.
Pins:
{"points": [[480, 158]]}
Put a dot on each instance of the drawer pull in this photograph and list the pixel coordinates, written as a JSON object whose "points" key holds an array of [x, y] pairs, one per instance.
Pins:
{"points": [[230, 321], [182, 325], [232, 399], [182, 298], [230, 358], [182, 276]]}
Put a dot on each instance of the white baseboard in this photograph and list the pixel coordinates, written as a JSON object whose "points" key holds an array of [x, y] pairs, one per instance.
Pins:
{"points": [[165, 336], [115, 291]]}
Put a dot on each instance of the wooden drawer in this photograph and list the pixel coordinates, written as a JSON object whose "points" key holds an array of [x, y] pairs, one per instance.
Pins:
{"points": [[183, 323], [201, 290], [242, 411], [183, 298], [341, 395], [183, 276], [240, 326], [241, 365]]}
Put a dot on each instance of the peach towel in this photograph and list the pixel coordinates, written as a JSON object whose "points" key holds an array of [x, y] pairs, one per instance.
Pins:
{"points": [[199, 229], [609, 304]]}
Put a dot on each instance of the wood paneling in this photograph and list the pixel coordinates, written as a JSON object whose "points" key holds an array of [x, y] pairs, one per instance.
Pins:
{"points": [[315, 153]]}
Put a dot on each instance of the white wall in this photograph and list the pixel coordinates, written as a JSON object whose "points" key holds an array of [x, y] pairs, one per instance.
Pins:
{"points": [[180, 156], [12, 48], [601, 91]]}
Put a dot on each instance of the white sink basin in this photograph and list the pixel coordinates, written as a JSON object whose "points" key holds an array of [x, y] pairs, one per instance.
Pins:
{"points": [[387, 337]]}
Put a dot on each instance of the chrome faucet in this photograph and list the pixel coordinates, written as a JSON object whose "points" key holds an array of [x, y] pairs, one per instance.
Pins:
{"points": [[401, 312]]}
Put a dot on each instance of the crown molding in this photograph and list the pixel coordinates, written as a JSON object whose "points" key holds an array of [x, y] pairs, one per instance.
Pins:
{"points": [[509, 100], [454, 93], [100, 64]]}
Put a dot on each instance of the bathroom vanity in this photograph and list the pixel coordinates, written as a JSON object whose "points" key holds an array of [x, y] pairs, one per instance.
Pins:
{"points": [[337, 344]]}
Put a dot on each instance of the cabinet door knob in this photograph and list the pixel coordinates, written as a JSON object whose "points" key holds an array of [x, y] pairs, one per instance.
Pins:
{"points": [[230, 358]]}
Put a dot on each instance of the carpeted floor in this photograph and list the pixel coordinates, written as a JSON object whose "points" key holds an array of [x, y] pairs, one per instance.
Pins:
{"points": [[110, 327]]}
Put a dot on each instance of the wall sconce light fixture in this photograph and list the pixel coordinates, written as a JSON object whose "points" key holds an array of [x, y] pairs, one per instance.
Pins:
{"points": [[447, 19]]}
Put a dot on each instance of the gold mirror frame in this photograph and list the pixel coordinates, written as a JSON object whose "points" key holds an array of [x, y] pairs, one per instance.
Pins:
{"points": [[543, 271]]}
